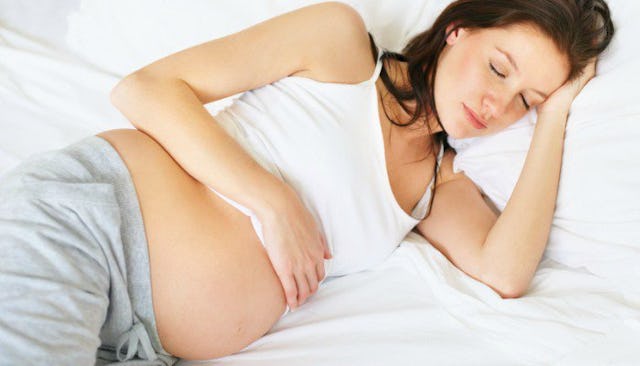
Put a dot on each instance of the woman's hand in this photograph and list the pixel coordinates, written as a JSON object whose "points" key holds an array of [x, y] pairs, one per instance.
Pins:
{"points": [[560, 100], [296, 247]]}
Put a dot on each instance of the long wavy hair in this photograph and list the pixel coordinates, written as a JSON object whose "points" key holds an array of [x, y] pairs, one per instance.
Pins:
{"points": [[581, 29]]}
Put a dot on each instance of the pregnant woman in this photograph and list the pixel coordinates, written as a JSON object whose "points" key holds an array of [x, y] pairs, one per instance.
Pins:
{"points": [[190, 236]]}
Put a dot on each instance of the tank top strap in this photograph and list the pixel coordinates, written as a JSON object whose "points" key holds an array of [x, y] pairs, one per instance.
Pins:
{"points": [[420, 210], [378, 67], [441, 154]]}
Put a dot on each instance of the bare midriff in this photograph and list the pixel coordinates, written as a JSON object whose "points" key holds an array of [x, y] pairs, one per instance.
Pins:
{"points": [[214, 289]]}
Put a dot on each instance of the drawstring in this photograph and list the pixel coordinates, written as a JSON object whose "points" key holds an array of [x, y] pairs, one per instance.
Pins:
{"points": [[138, 343], [136, 335]]}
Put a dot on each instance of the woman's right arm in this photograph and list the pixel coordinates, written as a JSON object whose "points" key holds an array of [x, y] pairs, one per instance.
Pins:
{"points": [[165, 100]]}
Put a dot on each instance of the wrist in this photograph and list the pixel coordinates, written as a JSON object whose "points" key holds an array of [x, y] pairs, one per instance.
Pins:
{"points": [[274, 201], [551, 125], [557, 116], [553, 110]]}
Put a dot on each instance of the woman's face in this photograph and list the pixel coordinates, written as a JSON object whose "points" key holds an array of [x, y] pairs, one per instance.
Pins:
{"points": [[489, 74]]}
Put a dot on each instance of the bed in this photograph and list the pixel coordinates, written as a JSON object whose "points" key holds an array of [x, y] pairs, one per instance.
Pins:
{"points": [[60, 58]]}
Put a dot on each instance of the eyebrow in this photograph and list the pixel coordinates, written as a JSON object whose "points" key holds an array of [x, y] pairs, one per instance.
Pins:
{"points": [[515, 66]]}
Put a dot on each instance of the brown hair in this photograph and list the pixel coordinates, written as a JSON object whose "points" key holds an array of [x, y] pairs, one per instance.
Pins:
{"points": [[581, 29]]}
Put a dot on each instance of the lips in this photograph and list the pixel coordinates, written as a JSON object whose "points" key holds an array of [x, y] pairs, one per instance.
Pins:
{"points": [[473, 118]]}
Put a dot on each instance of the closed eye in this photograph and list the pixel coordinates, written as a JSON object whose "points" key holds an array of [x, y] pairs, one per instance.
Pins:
{"points": [[502, 76]]}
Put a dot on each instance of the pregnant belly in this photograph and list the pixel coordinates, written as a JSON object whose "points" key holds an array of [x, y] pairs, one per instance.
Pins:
{"points": [[214, 289]]}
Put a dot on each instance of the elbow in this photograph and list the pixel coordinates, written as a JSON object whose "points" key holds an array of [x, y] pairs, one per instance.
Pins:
{"points": [[135, 95], [505, 285], [510, 292], [123, 91]]}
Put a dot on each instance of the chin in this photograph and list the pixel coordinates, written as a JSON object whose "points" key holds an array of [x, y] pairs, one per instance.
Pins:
{"points": [[456, 129]]}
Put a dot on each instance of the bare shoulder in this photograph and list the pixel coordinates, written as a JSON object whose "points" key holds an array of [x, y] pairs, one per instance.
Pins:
{"points": [[327, 41], [347, 54], [445, 173]]}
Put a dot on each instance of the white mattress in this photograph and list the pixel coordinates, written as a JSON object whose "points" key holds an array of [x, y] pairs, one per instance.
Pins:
{"points": [[414, 309]]}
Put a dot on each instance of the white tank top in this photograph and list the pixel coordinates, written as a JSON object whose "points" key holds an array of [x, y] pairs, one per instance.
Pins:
{"points": [[324, 140]]}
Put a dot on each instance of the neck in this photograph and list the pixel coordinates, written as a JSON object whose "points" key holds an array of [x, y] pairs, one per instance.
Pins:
{"points": [[398, 73], [404, 145]]}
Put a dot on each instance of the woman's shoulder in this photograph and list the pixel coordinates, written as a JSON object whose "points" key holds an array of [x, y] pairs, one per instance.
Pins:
{"points": [[445, 172], [349, 58]]}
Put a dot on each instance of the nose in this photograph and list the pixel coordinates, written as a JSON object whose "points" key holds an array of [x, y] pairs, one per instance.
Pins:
{"points": [[494, 105]]}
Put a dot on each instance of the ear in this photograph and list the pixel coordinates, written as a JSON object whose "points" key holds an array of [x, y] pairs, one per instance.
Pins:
{"points": [[454, 36]]}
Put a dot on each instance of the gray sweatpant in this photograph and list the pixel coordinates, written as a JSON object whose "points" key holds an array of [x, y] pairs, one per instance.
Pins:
{"points": [[74, 267]]}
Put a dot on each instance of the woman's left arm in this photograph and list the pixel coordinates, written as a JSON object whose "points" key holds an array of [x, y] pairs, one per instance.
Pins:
{"points": [[515, 244], [504, 253], [502, 250]]}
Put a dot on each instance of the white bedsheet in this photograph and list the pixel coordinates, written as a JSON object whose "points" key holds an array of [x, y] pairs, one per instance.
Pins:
{"points": [[414, 309]]}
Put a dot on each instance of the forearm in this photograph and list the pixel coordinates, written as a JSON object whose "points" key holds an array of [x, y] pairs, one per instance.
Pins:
{"points": [[515, 244], [169, 111]]}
